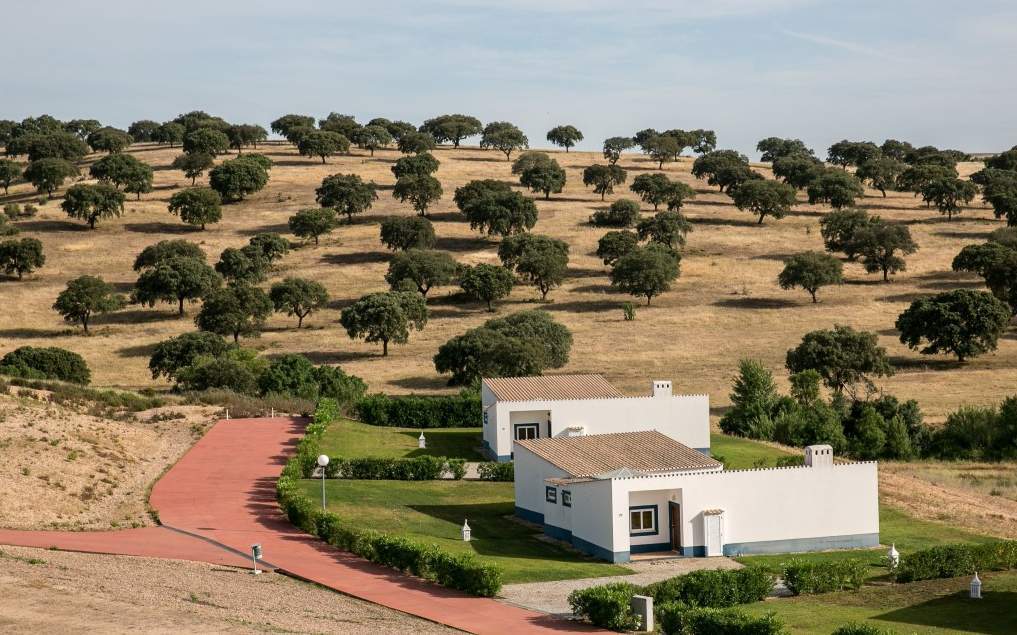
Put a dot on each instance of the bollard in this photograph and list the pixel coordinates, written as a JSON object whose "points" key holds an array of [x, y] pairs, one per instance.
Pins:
{"points": [[893, 556], [421, 441], [642, 606], [976, 587], [467, 532]]}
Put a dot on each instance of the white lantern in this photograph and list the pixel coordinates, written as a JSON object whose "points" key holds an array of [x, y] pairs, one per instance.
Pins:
{"points": [[421, 441], [322, 460], [466, 531], [893, 555], [976, 587]]}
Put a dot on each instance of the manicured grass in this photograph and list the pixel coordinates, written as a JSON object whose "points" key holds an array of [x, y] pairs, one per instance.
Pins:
{"points": [[354, 439], [740, 453], [434, 511], [932, 606]]}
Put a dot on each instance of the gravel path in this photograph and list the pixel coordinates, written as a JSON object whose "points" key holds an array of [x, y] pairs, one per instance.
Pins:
{"points": [[552, 597]]}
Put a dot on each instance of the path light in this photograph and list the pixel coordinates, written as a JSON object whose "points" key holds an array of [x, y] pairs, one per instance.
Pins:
{"points": [[976, 587], [255, 554], [421, 441], [466, 530], [322, 462], [893, 555]]}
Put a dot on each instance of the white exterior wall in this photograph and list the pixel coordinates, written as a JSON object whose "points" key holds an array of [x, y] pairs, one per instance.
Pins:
{"points": [[531, 470], [591, 516], [684, 418]]}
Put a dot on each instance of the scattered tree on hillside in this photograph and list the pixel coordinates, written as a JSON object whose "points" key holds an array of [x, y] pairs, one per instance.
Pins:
{"points": [[838, 230], [407, 232], [47, 175], [773, 148], [662, 148], [21, 256], [963, 322], [564, 136], [500, 211], [652, 188], [234, 310], [346, 194], [92, 202], [604, 178], [170, 133], [666, 228], [284, 124], [540, 260], [473, 191], [486, 283], [299, 297], [423, 164], [622, 213], [109, 140], [10, 171], [415, 143], [540, 173], [764, 198], [193, 165], [614, 245], [85, 297], [879, 243], [385, 317], [836, 187], [452, 128], [895, 149], [323, 144], [313, 223], [83, 127], [419, 190], [723, 168], [246, 265], [144, 131], [646, 271], [243, 135], [845, 153], [796, 170], [175, 279], [206, 141], [503, 136], [949, 194], [154, 254], [424, 268], [346, 125], [915, 178], [270, 245], [235, 179], [197, 206], [178, 352], [881, 172], [372, 138], [752, 399], [811, 270], [843, 357], [614, 146]]}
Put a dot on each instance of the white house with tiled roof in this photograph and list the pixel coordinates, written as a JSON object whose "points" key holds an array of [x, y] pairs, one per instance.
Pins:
{"points": [[550, 406], [612, 495]]}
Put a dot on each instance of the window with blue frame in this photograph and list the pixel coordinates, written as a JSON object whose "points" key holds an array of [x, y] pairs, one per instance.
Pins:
{"points": [[566, 498], [551, 494], [643, 520]]}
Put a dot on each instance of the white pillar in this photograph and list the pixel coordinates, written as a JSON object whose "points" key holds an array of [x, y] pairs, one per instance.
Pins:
{"points": [[642, 606]]}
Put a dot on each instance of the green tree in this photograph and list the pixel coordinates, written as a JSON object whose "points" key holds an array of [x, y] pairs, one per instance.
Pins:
{"points": [[179, 352], [206, 141], [299, 297], [486, 283], [82, 127], [242, 266], [170, 133], [109, 140], [622, 213], [175, 279], [242, 135], [423, 164], [543, 175], [703, 141], [565, 136], [313, 223], [604, 178], [614, 146], [235, 179], [119, 170], [425, 268], [980, 258], [999, 189], [652, 189], [347, 194], [143, 131], [139, 179], [234, 310], [55, 145], [881, 172], [949, 194], [764, 198], [646, 271], [18, 257], [290, 375], [963, 322], [396, 128], [284, 124], [85, 297], [838, 229], [797, 171], [915, 178], [663, 148], [385, 317], [324, 144], [540, 260], [843, 357], [879, 244], [773, 148], [666, 228], [836, 187], [92, 202], [845, 153], [164, 249], [753, 397], [811, 270], [193, 164], [372, 138], [270, 245], [896, 149], [237, 370], [49, 174], [47, 362], [197, 206], [420, 190], [473, 191], [452, 128], [614, 245], [1001, 278], [346, 125], [502, 212], [504, 137], [723, 168], [407, 232], [10, 171], [415, 143]]}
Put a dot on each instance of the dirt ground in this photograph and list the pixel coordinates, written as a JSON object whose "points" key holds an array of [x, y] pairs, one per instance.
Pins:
{"points": [[65, 469], [61, 592], [725, 306]]}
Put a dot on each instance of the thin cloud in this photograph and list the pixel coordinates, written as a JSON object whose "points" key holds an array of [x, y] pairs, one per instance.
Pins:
{"points": [[829, 42]]}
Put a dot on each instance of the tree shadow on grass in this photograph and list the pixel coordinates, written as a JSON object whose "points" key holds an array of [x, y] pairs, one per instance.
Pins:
{"points": [[868, 282], [492, 159], [593, 306], [721, 222], [775, 257], [422, 382], [756, 303], [340, 357], [446, 217], [903, 297], [271, 228], [950, 285], [924, 363], [463, 243], [356, 258], [973, 236], [29, 334], [136, 316], [141, 350], [995, 614], [51, 226], [595, 288], [162, 228]]}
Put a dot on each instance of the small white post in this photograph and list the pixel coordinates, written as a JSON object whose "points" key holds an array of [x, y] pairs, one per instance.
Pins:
{"points": [[893, 555], [642, 606], [976, 587], [273, 413], [322, 462], [255, 554], [227, 414], [466, 531], [421, 441]]}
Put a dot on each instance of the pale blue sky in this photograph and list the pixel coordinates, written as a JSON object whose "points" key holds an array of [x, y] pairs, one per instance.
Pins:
{"points": [[930, 72]]}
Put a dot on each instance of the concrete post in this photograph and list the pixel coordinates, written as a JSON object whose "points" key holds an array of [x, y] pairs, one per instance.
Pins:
{"points": [[642, 606]]}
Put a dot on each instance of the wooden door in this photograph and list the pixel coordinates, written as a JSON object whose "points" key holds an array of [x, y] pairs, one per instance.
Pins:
{"points": [[674, 514]]}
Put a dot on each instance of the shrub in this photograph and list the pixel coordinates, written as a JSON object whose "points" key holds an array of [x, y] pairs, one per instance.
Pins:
{"points": [[805, 576], [418, 468], [628, 311], [718, 589], [857, 628], [102, 402], [46, 363], [414, 411], [497, 471], [623, 213], [680, 619], [606, 605], [951, 561], [456, 468]]}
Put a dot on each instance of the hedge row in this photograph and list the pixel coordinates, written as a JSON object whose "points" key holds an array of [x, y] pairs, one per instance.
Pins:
{"points": [[413, 411], [32, 362], [497, 471], [608, 606], [950, 561], [418, 468], [677, 618], [457, 571], [807, 576]]}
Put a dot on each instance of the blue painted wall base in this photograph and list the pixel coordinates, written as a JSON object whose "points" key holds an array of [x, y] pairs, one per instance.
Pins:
{"points": [[798, 545]]}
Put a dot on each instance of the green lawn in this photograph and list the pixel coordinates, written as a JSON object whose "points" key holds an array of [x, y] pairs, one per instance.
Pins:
{"points": [[354, 439], [740, 453], [434, 511], [932, 606]]}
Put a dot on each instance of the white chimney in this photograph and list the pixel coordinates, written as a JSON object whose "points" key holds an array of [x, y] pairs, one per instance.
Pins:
{"points": [[661, 388], [818, 456]]}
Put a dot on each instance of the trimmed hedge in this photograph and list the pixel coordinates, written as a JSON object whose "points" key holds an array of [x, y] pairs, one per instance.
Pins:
{"points": [[607, 605], [951, 561], [493, 471], [418, 468], [415, 411], [717, 589], [457, 571], [858, 628], [50, 362], [682, 619], [806, 576]]}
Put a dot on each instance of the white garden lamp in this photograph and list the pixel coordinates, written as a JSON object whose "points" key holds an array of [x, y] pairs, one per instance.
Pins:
{"points": [[893, 555], [421, 441], [322, 462], [466, 531], [976, 587]]}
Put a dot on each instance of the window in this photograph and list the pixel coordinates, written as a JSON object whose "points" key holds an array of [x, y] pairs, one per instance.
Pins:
{"points": [[551, 494], [566, 498], [485, 417], [643, 520], [526, 431]]}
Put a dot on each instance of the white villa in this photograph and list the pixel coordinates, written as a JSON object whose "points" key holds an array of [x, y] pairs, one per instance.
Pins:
{"points": [[523, 408]]}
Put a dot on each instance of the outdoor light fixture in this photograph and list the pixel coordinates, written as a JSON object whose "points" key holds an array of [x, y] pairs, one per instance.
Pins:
{"points": [[467, 532], [976, 587], [893, 555], [322, 462], [255, 554]]}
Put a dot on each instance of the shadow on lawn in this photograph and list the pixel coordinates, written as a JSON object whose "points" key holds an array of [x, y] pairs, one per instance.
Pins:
{"points": [[995, 614]]}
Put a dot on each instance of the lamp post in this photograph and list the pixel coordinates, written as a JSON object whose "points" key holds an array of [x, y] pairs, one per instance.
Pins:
{"points": [[322, 462]]}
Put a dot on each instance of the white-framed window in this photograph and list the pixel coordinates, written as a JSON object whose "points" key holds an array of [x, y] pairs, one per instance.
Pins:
{"points": [[643, 520], [551, 494], [526, 431], [566, 498]]}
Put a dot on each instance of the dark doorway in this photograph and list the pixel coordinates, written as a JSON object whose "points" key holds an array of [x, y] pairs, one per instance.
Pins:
{"points": [[674, 515]]}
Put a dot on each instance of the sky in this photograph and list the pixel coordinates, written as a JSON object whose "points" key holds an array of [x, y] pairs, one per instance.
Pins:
{"points": [[926, 71]]}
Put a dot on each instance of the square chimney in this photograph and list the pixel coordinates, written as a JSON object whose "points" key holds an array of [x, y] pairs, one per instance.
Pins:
{"points": [[661, 388]]}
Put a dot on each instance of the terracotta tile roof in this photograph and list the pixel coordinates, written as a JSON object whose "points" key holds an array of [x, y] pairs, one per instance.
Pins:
{"points": [[597, 454], [551, 387]]}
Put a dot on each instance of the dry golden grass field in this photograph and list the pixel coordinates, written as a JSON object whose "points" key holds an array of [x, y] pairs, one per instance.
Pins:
{"points": [[726, 305]]}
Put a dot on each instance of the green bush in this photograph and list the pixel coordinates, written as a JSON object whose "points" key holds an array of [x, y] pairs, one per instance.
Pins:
{"points": [[413, 411], [103, 402], [857, 628], [607, 605], [951, 561], [457, 468], [718, 589], [681, 619], [808, 576], [493, 471], [33, 362], [418, 468]]}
